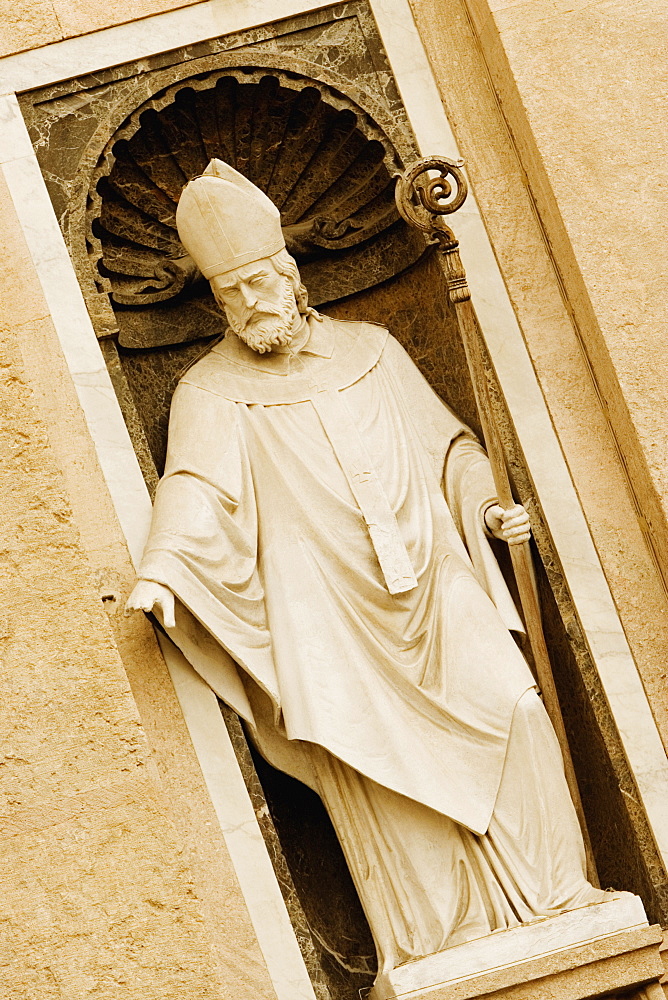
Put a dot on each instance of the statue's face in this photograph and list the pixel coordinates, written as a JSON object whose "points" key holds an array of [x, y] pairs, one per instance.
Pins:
{"points": [[259, 303]]}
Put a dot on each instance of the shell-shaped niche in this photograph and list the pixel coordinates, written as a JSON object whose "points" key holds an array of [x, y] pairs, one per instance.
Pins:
{"points": [[328, 167]]}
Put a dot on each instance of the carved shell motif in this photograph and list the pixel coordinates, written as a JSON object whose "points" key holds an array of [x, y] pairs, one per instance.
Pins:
{"points": [[327, 166]]}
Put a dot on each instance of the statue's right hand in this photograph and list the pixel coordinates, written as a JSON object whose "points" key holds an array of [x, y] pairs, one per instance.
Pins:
{"points": [[147, 595]]}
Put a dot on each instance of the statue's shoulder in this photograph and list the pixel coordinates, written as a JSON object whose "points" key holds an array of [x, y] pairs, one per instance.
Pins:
{"points": [[199, 373], [355, 323], [342, 351], [204, 382], [359, 328], [363, 337]]}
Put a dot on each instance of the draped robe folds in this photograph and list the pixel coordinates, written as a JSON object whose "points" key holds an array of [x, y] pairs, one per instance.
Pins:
{"points": [[320, 521], [256, 531]]}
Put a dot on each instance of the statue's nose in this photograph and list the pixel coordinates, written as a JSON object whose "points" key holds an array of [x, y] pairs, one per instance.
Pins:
{"points": [[249, 296]]}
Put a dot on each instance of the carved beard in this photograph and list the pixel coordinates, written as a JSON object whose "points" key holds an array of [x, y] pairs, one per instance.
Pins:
{"points": [[266, 326]]}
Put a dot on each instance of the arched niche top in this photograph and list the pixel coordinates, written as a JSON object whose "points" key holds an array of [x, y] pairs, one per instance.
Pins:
{"points": [[325, 162]]}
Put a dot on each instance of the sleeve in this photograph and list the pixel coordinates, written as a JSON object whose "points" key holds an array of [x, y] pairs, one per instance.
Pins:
{"points": [[438, 426], [203, 539], [469, 489], [202, 488], [463, 467]]}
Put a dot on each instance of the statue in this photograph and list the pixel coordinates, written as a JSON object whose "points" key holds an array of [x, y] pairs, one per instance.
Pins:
{"points": [[320, 552]]}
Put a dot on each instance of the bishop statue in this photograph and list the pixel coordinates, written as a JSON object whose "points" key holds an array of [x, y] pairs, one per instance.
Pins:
{"points": [[320, 553]]}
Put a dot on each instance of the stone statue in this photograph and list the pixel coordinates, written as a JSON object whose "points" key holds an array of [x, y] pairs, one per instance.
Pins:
{"points": [[319, 551]]}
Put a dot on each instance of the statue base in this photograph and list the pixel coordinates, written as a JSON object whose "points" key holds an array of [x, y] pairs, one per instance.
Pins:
{"points": [[602, 948]]}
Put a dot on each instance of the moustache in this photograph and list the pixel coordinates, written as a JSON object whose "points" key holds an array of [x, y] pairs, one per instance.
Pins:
{"points": [[251, 317]]}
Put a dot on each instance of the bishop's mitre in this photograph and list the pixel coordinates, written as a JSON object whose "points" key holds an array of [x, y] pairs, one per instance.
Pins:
{"points": [[225, 221]]}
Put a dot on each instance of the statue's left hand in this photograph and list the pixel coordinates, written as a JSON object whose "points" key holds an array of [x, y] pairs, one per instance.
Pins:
{"points": [[512, 525], [147, 595]]}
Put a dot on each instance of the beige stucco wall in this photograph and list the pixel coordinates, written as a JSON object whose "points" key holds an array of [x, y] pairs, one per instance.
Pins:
{"points": [[555, 107], [27, 24], [584, 85], [115, 883]]}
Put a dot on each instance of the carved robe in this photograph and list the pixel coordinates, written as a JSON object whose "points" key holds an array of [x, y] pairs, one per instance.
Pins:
{"points": [[302, 524]]}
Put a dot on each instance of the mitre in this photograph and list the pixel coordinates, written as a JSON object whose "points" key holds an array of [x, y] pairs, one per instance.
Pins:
{"points": [[225, 221]]}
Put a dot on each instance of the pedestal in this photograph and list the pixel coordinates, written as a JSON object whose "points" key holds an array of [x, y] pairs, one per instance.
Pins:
{"points": [[593, 950]]}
